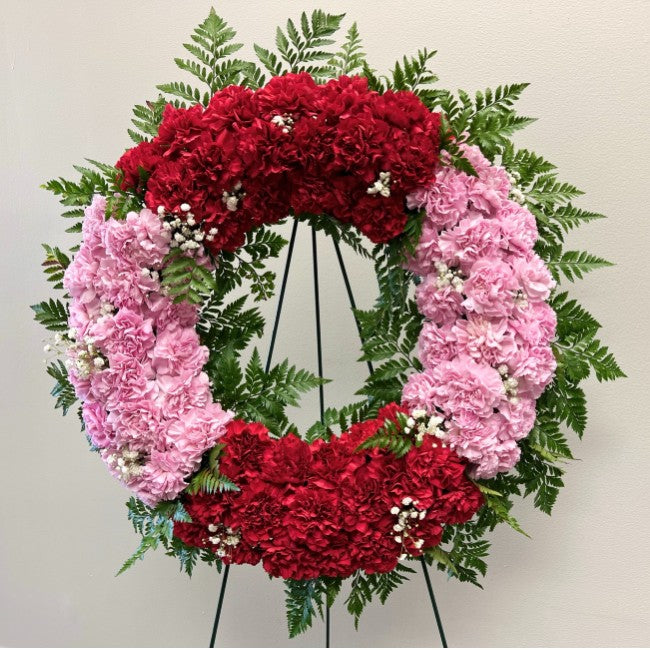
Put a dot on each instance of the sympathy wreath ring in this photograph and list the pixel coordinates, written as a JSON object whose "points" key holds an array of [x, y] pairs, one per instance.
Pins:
{"points": [[464, 388]]}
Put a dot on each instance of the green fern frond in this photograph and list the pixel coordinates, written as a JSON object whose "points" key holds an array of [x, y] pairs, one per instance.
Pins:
{"points": [[184, 279], [63, 390], [52, 314], [350, 58], [574, 264]]}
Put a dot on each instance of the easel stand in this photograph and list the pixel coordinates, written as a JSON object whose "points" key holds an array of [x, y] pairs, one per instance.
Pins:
{"points": [[319, 349]]}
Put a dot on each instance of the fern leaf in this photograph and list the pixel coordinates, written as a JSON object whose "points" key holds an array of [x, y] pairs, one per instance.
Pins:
{"points": [[350, 58], [574, 264], [52, 314], [63, 390]]}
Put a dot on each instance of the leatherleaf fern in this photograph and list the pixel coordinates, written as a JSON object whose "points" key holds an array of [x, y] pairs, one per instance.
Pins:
{"points": [[230, 322]]}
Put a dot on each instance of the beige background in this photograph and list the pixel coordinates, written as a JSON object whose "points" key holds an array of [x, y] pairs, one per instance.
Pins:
{"points": [[71, 70]]}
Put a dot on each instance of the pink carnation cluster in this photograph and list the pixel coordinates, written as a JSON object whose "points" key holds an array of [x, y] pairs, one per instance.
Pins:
{"points": [[135, 359], [485, 345]]}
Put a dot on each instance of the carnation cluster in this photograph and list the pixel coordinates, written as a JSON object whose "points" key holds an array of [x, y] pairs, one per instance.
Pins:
{"points": [[485, 345], [134, 357], [328, 509], [252, 157]]}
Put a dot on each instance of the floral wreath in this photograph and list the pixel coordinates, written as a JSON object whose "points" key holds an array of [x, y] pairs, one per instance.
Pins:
{"points": [[476, 372]]}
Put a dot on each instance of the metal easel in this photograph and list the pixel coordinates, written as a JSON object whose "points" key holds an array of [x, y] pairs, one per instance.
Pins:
{"points": [[319, 350]]}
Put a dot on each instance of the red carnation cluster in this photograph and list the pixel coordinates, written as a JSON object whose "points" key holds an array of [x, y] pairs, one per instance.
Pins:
{"points": [[325, 509], [250, 157]]}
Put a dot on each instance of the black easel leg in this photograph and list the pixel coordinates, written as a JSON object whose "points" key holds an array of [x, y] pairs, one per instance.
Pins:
{"points": [[425, 569], [283, 289], [348, 288], [222, 593], [319, 346], [321, 394], [441, 632], [276, 322]]}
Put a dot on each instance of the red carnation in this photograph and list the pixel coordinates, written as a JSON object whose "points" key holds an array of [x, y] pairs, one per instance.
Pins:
{"points": [[287, 461], [251, 157], [136, 165], [245, 445]]}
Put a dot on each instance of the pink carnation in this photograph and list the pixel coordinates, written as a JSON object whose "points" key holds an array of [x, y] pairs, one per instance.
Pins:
{"points": [[533, 368], [93, 221], [419, 391], [534, 278], [162, 478], [80, 277], [489, 191], [178, 350], [476, 158], [485, 340], [151, 240], [168, 313], [179, 393], [517, 418], [492, 317], [148, 405], [465, 387], [518, 228], [442, 306], [436, 344], [446, 200], [470, 439], [126, 333], [482, 445], [499, 457], [472, 239], [138, 425], [196, 431], [97, 429], [126, 380], [535, 325], [427, 252], [490, 288]]}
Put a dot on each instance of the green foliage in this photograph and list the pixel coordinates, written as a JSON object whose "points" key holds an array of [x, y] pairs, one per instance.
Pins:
{"points": [[338, 231], [350, 58], [51, 314], [222, 323], [488, 119], [365, 586], [527, 165], [389, 331], [156, 527], [258, 396], [306, 598], [63, 390], [99, 179], [574, 264], [581, 355], [183, 278], [228, 325], [414, 73], [55, 264], [572, 318], [465, 559], [247, 265], [301, 47], [391, 436], [343, 418], [211, 50], [208, 479], [147, 118]]}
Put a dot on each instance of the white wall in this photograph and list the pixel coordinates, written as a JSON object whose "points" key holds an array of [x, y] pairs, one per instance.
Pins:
{"points": [[71, 70]]}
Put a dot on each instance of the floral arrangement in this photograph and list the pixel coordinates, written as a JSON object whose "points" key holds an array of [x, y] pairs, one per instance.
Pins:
{"points": [[474, 374]]}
